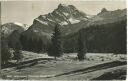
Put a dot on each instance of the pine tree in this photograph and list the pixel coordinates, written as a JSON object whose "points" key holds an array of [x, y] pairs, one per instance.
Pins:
{"points": [[55, 48], [17, 52], [5, 52], [81, 47]]}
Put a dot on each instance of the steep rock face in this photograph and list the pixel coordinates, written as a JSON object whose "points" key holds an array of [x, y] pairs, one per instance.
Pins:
{"points": [[64, 15]]}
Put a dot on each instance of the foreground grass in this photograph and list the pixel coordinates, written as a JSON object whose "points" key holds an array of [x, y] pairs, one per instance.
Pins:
{"points": [[68, 68]]}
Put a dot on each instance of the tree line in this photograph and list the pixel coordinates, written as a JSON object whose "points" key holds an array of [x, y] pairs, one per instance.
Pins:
{"points": [[32, 44]]}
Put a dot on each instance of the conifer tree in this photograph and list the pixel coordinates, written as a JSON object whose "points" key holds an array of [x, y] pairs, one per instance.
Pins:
{"points": [[17, 52], [81, 47], [5, 52], [55, 48]]}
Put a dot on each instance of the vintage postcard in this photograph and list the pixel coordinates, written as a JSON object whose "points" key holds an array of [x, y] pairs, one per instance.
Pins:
{"points": [[63, 40]]}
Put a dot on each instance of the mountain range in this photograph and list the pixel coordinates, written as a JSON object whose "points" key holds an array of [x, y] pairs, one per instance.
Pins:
{"points": [[70, 20]]}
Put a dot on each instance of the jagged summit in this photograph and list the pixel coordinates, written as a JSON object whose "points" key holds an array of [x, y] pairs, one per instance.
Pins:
{"points": [[63, 15], [104, 10], [64, 6]]}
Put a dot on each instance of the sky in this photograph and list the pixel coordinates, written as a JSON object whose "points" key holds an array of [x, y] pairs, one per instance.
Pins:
{"points": [[26, 11]]}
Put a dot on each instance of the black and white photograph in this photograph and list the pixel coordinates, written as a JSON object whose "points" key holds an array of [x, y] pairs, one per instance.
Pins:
{"points": [[53, 40]]}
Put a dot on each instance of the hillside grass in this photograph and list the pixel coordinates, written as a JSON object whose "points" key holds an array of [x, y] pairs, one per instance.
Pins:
{"points": [[68, 67]]}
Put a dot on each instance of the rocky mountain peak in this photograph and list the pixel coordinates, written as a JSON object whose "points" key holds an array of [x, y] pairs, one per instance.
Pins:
{"points": [[66, 6], [61, 5], [104, 10], [63, 15]]}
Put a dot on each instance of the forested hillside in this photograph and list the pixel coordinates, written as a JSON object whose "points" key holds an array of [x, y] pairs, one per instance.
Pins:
{"points": [[100, 38]]}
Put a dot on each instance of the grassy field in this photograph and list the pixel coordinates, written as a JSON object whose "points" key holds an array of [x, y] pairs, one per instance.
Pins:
{"points": [[97, 66]]}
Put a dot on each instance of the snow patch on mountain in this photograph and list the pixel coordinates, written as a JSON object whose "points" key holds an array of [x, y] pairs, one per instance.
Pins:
{"points": [[73, 21], [43, 22], [23, 25], [50, 20], [66, 14], [17, 23], [64, 23]]}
